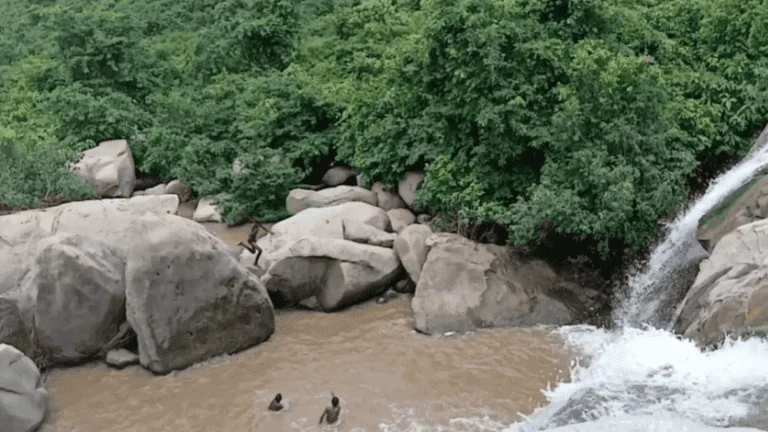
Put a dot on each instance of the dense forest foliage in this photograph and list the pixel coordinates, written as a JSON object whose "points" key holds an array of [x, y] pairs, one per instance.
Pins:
{"points": [[592, 118]]}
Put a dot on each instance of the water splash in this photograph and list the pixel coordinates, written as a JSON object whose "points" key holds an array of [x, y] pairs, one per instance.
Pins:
{"points": [[673, 263], [652, 372], [642, 372]]}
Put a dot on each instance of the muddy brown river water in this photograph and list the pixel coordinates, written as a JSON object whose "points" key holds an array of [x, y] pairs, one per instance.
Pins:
{"points": [[388, 377]]}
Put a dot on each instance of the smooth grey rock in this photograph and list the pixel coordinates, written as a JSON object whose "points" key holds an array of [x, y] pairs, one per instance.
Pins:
{"points": [[23, 400]]}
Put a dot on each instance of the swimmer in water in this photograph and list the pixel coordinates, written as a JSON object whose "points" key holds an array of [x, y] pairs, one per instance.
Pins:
{"points": [[332, 412], [276, 405]]}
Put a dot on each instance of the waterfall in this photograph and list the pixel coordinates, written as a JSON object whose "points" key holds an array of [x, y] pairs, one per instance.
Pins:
{"points": [[641, 371], [653, 290]]}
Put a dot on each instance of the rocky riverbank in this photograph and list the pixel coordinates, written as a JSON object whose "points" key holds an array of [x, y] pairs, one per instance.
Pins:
{"points": [[134, 279]]}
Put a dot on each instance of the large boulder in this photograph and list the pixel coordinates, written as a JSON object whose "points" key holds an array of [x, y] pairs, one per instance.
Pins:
{"points": [[187, 298], [338, 176], [387, 198], [465, 285], [408, 186], [337, 273], [23, 399], [363, 233], [103, 220], [411, 247], [302, 199], [207, 211], [71, 297], [110, 168], [730, 293]]}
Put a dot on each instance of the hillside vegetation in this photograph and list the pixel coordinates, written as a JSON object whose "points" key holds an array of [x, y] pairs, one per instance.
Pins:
{"points": [[591, 118]]}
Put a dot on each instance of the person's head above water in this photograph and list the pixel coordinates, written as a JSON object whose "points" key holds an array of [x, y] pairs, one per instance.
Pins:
{"points": [[278, 397], [335, 401]]}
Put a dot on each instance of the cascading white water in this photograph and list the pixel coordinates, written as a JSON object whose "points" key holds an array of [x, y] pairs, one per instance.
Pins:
{"points": [[648, 377], [646, 292]]}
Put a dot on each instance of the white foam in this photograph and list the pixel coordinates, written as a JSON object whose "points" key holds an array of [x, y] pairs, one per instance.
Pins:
{"points": [[651, 372], [645, 424]]}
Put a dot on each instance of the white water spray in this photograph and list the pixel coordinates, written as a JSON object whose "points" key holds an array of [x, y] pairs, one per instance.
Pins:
{"points": [[649, 290], [647, 377]]}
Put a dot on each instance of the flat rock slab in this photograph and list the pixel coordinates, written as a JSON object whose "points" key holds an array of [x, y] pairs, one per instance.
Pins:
{"points": [[121, 358]]}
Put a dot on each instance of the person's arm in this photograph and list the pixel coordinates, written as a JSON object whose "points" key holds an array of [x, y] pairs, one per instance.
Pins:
{"points": [[323, 416]]}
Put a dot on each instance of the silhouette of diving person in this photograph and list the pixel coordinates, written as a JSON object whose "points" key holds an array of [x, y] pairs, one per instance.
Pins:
{"points": [[275, 405], [332, 412]]}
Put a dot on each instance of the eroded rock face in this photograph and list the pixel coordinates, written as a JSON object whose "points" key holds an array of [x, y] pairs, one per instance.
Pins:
{"points": [[72, 295], [188, 299], [23, 400], [302, 199], [80, 296], [110, 168], [730, 293], [745, 205], [336, 273], [465, 285], [411, 247]]}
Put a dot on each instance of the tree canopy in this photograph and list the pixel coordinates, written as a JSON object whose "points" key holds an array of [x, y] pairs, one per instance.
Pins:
{"points": [[594, 116]]}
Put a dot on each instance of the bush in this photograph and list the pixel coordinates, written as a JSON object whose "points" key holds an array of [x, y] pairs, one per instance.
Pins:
{"points": [[589, 119]]}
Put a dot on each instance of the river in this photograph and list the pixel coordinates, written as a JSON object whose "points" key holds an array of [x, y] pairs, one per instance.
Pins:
{"points": [[388, 378], [638, 377]]}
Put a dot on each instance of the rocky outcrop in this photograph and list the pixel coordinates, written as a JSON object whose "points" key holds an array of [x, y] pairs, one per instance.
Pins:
{"points": [[23, 400], [110, 168], [207, 211], [176, 187], [730, 293], [386, 197], [363, 233], [302, 199], [745, 205], [187, 299], [400, 219], [338, 176], [464, 286], [411, 248], [330, 273], [408, 186]]}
